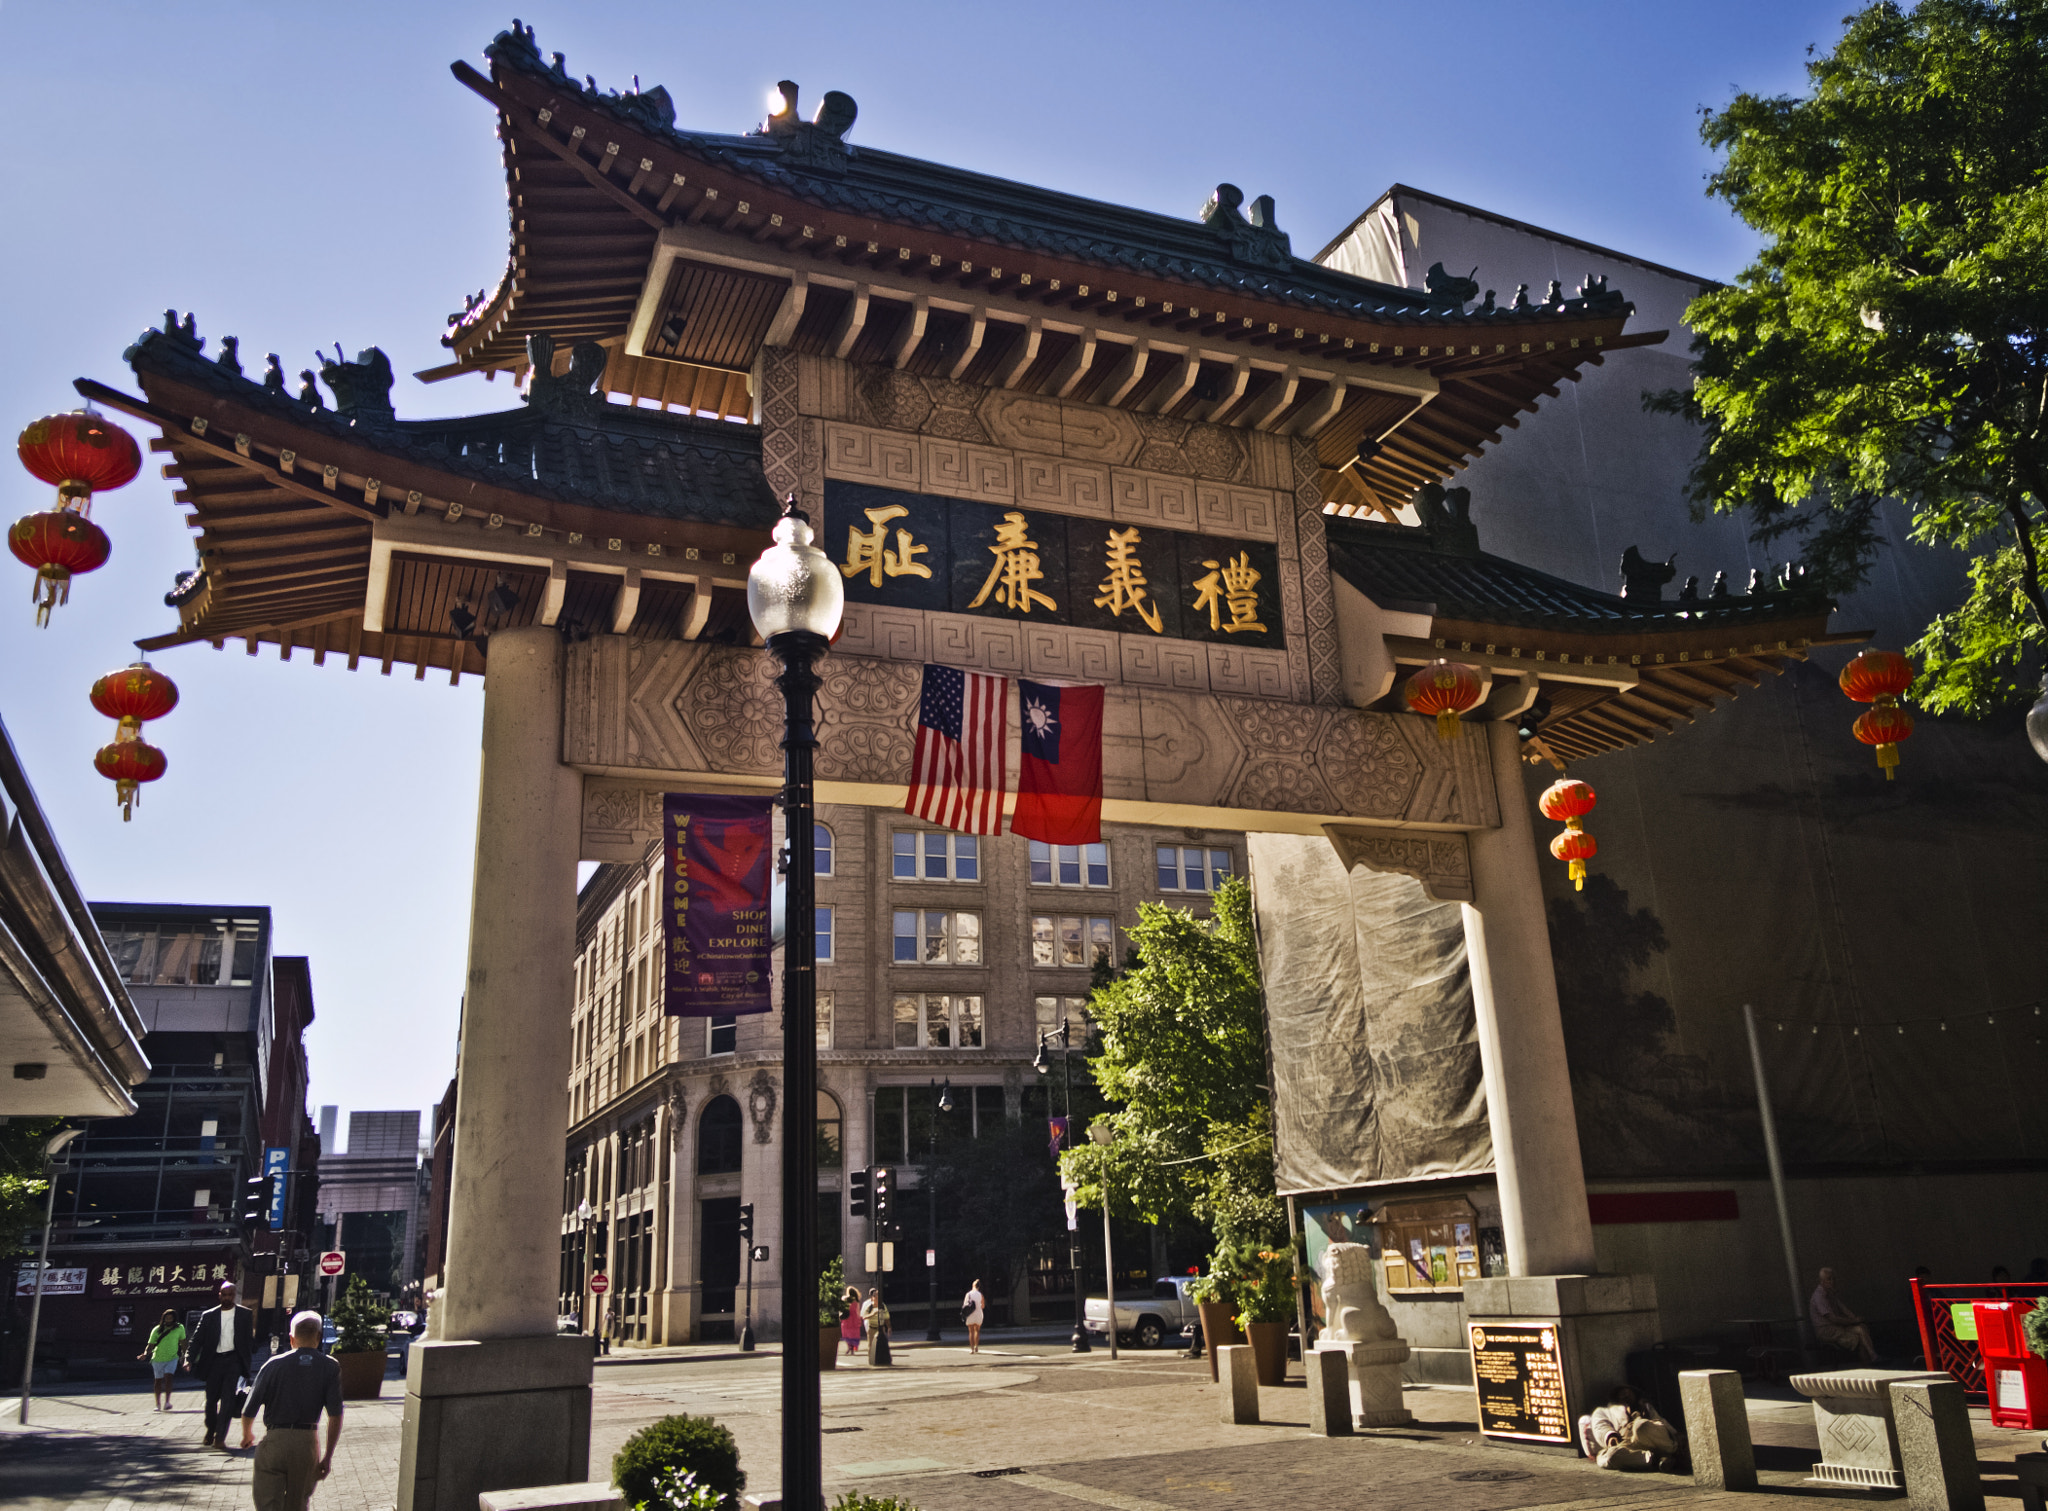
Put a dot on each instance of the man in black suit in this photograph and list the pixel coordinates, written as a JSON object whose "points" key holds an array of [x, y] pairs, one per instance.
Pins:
{"points": [[222, 1351]]}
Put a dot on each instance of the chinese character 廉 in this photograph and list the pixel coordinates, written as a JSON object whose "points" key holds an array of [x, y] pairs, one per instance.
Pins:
{"points": [[865, 551], [1015, 570], [1233, 584], [1124, 588]]}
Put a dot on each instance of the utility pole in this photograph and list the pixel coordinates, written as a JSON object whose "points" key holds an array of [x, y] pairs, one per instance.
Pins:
{"points": [[943, 1102], [747, 1241], [51, 1150]]}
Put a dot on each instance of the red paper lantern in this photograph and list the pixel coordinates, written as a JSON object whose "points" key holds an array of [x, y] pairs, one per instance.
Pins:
{"points": [[1884, 726], [57, 543], [1878, 677], [1446, 689], [1568, 800], [128, 764], [1578, 847], [79, 452], [134, 694]]}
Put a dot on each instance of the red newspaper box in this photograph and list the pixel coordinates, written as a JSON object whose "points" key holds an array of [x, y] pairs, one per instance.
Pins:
{"points": [[2015, 1379]]}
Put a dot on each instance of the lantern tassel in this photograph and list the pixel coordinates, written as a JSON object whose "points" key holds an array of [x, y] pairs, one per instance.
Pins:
{"points": [[52, 588], [126, 793], [1447, 724], [1578, 875], [1888, 758]]}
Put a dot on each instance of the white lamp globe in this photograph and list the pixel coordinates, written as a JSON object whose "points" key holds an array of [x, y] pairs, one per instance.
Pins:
{"points": [[794, 586]]}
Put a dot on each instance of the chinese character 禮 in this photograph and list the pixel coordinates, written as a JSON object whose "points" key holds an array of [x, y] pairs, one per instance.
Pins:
{"points": [[865, 551], [1016, 568], [1125, 586], [1233, 584]]}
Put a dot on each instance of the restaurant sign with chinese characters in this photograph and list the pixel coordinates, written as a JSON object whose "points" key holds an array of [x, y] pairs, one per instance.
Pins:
{"points": [[181, 1274], [915, 551]]}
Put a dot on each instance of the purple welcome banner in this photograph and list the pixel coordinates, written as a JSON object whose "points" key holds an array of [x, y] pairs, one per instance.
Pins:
{"points": [[718, 862]]}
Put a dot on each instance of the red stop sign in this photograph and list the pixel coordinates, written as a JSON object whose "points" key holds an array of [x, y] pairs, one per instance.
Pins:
{"points": [[599, 1284], [333, 1262]]}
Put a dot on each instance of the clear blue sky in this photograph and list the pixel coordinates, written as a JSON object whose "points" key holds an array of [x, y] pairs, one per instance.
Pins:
{"points": [[302, 175]]}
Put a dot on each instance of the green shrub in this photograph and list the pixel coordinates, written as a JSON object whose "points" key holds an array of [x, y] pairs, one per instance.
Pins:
{"points": [[853, 1501], [832, 1286], [679, 1490], [697, 1445], [2035, 1326], [357, 1320]]}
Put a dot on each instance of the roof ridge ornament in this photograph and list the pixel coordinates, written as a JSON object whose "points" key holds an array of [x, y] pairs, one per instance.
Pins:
{"points": [[573, 395], [362, 388], [820, 142], [1442, 285], [1258, 239], [1446, 513]]}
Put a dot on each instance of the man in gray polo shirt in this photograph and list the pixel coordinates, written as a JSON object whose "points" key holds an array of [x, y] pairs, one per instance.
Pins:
{"points": [[291, 1391]]}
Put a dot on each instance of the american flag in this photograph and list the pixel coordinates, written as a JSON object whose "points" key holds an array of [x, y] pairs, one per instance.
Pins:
{"points": [[957, 770]]}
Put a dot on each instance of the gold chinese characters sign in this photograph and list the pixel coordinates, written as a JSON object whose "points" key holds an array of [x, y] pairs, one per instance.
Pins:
{"points": [[912, 550]]}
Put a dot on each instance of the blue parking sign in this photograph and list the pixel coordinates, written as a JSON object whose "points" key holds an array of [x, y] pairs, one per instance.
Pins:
{"points": [[276, 1163]]}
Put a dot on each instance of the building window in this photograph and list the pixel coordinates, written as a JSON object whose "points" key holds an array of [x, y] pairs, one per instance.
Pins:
{"points": [[821, 839], [824, 932], [722, 1035], [937, 938], [719, 1137], [824, 1020], [1049, 1013], [1071, 940], [936, 1020], [1069, 865], [1185, 869], [926, 855], [831, 1133]]}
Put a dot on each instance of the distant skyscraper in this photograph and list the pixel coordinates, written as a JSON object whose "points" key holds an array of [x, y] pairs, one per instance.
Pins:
{"points": [[328, 1116]]}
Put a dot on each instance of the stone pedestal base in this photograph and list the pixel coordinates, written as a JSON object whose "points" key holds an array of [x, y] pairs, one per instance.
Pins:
{"points": [[1600, 1320], [1375, 1370], [507, 1414], [1852, 1417]]}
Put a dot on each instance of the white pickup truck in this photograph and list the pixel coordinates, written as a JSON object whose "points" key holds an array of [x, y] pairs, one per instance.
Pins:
{"points": [[1147, 1321]]}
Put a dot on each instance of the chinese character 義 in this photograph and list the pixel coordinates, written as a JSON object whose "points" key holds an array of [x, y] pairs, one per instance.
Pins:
{"points": [[1234, 585], [1124, 588], [865, 551], [1015, 570]]}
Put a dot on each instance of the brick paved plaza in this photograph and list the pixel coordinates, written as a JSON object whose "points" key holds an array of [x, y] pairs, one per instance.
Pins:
{"points": [[1138, 1434]]}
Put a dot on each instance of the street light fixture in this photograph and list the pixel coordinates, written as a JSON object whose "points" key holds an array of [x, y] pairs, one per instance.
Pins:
{"points": [[1043, 1065], [51, 1150], [796, 597], [931, 1213], [1102, 1135]]}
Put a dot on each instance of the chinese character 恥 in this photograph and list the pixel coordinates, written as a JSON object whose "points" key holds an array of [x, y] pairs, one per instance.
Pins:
{"points": [[865, 551]]}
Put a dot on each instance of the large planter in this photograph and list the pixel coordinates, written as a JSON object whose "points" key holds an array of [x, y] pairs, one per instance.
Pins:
{"points": [[829, 1343], [1219, 1326], [362, 1375], [1269, 1351]]}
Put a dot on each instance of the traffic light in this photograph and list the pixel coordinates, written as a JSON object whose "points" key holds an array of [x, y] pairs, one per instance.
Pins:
{"points": [[882, 1183], [857, 1194], [255, 1200], [747, 1223]]}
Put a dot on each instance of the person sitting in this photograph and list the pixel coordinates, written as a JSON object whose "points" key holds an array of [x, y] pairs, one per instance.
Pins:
{"points": [[1627, 1433], [1835, 1325]]}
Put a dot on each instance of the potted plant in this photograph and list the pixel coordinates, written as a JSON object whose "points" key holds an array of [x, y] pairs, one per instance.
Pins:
{"points": [[677, 1463], [1266, 1309], [358, 1343], [1214, 1296], [831, 1310]]}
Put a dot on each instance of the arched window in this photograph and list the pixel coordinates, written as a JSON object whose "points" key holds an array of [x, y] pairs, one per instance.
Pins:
{"points": [[831, 1133], [719, 1136], [822, 839]]}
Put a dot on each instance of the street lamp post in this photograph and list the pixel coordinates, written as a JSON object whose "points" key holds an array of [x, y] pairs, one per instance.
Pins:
{"points": [[944, 1103], [51, 1150], [1101, 1134], [795, 597], [1043, 1065]]}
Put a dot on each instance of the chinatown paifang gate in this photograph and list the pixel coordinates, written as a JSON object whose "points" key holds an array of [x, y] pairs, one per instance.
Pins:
{"points": [[949, 371]]}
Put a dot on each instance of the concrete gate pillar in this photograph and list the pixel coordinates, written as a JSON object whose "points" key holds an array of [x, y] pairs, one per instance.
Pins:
{"points": [[1521, 1036], [495, 1400]]}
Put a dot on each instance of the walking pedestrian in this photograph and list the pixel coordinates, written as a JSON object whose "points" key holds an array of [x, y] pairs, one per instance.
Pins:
{"points": [[849, 1320], [973, 1308], [166, 1341], [291, 1392], [220, 1353]]}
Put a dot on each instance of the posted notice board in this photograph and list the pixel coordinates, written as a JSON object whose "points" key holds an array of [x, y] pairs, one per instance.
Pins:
{"points": [[1520, 1377]]}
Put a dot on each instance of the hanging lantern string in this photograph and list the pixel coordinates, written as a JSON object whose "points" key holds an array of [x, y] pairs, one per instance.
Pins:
{"points": [[1939, 1023]]}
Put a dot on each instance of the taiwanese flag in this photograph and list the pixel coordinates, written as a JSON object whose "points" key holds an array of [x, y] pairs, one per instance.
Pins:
{"points": [[1059, 789]]}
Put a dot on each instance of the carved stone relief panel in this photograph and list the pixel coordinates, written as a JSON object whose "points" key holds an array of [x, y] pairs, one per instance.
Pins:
{"points": [[713, 713], [1069, 487], [781, 432], [980, 645], [1242, 669], [968, 471], [1441, 862], [761, 1105], [876, 629], [1153, 498], [1319, 604], [1164, 663], [1055, 651], [872, 456]]}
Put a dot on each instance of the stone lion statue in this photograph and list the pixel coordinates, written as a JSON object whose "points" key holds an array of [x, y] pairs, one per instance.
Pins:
{"points": [[1351, 1304]]}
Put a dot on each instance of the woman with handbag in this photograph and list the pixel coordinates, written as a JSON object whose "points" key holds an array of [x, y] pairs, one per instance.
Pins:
{"points": [[849, 1320], [876, 1316], [165, 1339], [973, 1308]]}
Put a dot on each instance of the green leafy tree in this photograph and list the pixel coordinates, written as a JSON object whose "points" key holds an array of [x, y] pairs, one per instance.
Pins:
{"points": [[1181, 1055], [1891, 339], [23, 1182]]}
